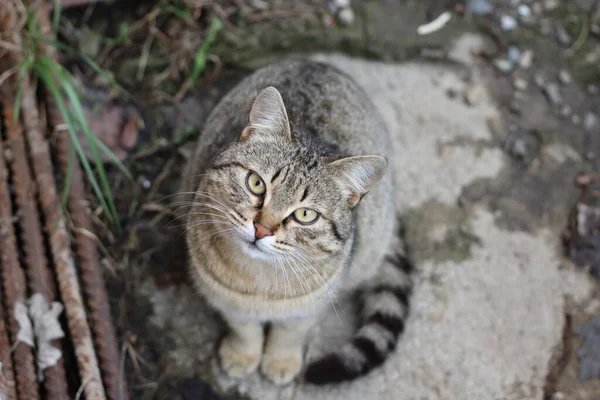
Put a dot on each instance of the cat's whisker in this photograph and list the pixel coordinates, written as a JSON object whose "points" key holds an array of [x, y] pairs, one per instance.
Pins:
{"points": [[303, 282], [332, 297], [196, 213], [205, 238]]}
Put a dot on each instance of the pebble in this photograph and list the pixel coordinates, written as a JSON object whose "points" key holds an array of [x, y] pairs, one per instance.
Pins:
{"points": [[480, 7], [576, 119], [341, 3], [563, 36], [539, 80], [514, 54], [545, 26], [346, 16], [550, 5], [503, 65], [524, 10], [508, 23], [552, 92], [520, 83], [536, 8], [592, 89], [564, 77], [471, 95], [590, 121], [526, 59], [146, 184], [566, 111]]}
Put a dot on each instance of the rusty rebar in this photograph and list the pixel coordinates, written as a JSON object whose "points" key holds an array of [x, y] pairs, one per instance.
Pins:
{"points": [[39, 275], [94, 285], [91, 272], [13, 277], [7, 376], [61, 247]]}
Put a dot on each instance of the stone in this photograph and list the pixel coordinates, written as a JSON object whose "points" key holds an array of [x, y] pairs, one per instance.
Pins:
{"points": [[565, 111], [550, 5], [520, 83], [552, 92], [590, 121], [589, 350], [539, 80], [563, 36], [576, 119], [513, 54], [564, 77], [346, 16], [508, 23], [526, 59], [524, 11], [480, 7], [503, 65]]}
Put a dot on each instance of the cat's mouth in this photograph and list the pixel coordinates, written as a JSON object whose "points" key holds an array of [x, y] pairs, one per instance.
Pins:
{"points": [[257, 250]]}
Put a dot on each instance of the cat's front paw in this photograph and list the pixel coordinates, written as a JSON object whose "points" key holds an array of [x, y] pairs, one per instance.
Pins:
{"points": [[283, 369], [236, 360]]}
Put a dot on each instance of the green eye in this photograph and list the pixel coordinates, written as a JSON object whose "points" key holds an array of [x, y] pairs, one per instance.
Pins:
{"points": [[255, 184], [305, 216]]}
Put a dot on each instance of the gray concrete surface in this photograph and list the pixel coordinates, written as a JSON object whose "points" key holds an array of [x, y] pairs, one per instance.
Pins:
{"points": [[489, 302]]}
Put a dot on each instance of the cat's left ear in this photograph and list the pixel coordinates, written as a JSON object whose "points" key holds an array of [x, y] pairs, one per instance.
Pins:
{"points": [[268, 116], [357, 175]]}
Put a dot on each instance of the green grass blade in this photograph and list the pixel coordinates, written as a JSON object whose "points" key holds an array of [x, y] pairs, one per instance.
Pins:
{"points": [[23, 70], [79, 116], [56, 15], [92, 64], [48, 80], [202, 52], [67, 182]]}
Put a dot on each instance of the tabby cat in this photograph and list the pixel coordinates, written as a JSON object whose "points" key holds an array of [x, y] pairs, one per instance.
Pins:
{"points": [[280, 223]]}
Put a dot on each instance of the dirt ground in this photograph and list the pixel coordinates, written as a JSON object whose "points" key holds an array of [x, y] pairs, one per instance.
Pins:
{"points": [[542, 76]]}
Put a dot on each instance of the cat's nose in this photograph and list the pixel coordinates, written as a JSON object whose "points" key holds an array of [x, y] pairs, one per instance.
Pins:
{"points": [[260, 231]]}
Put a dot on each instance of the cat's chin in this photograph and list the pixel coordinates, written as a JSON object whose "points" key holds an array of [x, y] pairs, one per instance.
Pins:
{"points": [[257, 251]]}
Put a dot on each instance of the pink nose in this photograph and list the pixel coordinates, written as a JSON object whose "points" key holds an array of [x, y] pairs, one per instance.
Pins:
{"points": [[261, 231]]}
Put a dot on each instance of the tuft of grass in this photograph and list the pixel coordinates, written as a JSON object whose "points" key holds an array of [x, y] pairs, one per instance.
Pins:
{"points": [[59, 82]]}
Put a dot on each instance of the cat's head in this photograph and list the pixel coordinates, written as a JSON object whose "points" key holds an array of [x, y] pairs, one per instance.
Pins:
{"points": [[273, 196]]}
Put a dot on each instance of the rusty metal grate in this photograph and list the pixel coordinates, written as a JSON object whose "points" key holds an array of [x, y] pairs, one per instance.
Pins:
{"points": [[41, 254]]}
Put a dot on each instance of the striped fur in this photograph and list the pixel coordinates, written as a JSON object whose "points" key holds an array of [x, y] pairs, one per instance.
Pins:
{"points": [[385, 307]]}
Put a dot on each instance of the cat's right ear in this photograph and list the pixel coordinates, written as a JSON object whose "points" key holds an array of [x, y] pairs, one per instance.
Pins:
{"points": [[268, 117]]}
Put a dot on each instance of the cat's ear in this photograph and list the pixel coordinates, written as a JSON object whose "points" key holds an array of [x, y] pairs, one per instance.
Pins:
{"points": [[268, 117], [357, 175]]}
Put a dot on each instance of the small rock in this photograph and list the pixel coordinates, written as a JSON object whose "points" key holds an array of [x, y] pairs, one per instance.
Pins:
{"points": [[526, 59], [536, 8], [563, 36], [552, 92], [341, 3], [590, 121], [550, 5], [524, 146], [592, 89], [589, 350], [576, 119], [508, 23], [471, 95], [564, 77], [545, 26], [539, 80], [480, 7], [503, 65], [520, 83], [346, 16], [513, 54], [524, 10], [566, 111]]}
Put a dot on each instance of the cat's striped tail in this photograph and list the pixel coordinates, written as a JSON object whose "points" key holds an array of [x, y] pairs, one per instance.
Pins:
{"points": [[384, 311]]}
